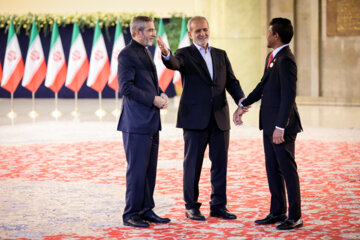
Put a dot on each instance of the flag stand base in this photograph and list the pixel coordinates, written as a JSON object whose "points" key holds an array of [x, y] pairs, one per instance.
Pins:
{"points": [[75, 113], [56, 113], [116, 112], [100, 113], [33, 114], [12, 115]]}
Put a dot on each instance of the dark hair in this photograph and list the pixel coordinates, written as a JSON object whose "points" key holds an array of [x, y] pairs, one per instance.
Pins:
{"points": [[138, 23], [283, 27]]}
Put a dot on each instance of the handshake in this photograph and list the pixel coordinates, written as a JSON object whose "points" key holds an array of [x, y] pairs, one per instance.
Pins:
{"points": [[237, 116]]}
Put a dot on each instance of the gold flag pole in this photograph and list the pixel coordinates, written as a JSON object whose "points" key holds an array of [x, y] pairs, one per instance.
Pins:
{"points": [[56, 113], [33, 114], [100, 113], [12, 114], [76, 112], [116, 111]]}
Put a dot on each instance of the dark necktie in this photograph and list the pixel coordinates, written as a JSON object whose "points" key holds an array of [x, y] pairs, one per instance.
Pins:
{"points": [[152, 64], [148, 56]]}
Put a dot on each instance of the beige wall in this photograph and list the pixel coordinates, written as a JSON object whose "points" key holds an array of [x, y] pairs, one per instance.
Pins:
{"points": [[238, 27], [328, 66], [340, 64]]}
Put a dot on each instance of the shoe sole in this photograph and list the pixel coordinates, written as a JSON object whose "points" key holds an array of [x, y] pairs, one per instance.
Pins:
{"points": [[218, 216], [297, 226], [130, 225], [278, 221], [195, 219]]}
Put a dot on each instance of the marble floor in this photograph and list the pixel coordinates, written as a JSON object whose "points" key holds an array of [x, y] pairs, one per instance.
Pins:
{"points": [[329, 123]]}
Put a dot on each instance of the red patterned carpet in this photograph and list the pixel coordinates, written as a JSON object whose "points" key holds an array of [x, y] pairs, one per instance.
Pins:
{"points": [[76, 191]]}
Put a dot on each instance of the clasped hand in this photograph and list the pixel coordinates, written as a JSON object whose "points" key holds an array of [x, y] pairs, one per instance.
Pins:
{"points": [[237, 116], [162, 101]]}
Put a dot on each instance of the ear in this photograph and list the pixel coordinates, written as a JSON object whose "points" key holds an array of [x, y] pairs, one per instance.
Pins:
{"points": [[137, 32], [277, 36], [189, 34]]}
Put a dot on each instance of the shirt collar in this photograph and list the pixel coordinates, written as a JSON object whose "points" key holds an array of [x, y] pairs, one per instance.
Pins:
{"points": [[138, 44], [278, 49], [200, 47]]}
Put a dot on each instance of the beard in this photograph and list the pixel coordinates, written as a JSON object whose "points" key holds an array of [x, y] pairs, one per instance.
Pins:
{"points": [[202, 41], [147, 41]]}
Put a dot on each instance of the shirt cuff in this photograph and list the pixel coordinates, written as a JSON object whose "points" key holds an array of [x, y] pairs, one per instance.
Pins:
{"points": [[166, 58], [282, 129]]}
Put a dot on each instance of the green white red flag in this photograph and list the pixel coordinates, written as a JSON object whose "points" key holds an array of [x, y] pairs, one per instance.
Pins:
{"points": [[184, 42], [99, 62], [56, 71], [119, 44], [164, 75], [35, 66], [13, 63], [78, 64]]}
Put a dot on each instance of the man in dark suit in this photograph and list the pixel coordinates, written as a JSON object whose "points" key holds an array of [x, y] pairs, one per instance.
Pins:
{"points": [[204, 115], [140, 122], [280, 122]]}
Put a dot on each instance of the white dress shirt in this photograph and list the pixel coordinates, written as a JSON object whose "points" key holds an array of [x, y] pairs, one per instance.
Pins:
{"points": [[206, 56]]}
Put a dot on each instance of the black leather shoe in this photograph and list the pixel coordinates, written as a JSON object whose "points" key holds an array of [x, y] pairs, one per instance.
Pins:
{"points": [[222, 213], [271, 219], [194, 214], [152, 217], [136, 221], [290, 224]]}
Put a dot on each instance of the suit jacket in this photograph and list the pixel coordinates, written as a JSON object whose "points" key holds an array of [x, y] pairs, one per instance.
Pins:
{"points": [[138, 83], [277, 91], [201, 95]]}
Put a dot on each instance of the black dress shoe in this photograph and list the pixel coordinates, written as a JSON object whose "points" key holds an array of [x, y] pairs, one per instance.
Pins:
{"points": [[152, 217], [271, 219], [222, 213], [290, 224], [194, 214], [136, 221]]}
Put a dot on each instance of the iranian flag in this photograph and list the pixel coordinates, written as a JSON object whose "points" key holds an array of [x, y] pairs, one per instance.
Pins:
{"points": [[56, 72], [35, 66], [78, 64], [165, 75], [13, 63], [184, 42], [119, 44], [99, 62]]}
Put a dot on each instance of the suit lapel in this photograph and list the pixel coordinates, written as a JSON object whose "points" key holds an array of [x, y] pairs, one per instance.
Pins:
{"points": [[273, 63], [146, 62], [153, 71], [198, 58]]}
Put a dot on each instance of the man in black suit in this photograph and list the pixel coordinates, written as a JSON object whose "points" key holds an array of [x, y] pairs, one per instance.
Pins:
{"points": [[280, 122], [140, 122], [204, 115]]}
